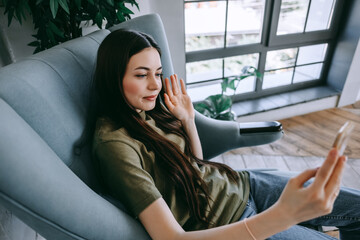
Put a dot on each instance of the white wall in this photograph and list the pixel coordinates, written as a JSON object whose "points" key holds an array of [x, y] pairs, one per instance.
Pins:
{"points": [[172, 15], [351, 90]]}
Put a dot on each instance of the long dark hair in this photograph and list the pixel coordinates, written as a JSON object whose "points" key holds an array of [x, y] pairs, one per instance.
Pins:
{"points": [[113, 56]]}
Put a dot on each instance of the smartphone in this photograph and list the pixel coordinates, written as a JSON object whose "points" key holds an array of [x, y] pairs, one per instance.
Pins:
{"points": [[343, 136]]}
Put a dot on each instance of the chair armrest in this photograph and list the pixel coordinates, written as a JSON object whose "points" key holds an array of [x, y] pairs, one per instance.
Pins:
{"points": [[258, 127], [219, 136]]}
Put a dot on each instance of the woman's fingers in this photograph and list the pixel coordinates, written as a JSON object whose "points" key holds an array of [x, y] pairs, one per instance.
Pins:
{"points": [[174, 88], [183, 88], [327, 168], [300, 179], [168, 87], [175, 84], [333, 185], [168, 103]]}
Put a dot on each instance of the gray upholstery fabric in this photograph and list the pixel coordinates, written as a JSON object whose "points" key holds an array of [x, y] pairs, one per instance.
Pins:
{"points": [[44, 181]]}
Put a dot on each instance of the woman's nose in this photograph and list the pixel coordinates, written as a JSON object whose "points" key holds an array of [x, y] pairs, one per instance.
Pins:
{"points": [[154, 82]]}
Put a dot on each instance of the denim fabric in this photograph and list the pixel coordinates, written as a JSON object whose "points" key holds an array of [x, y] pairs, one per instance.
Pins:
{"points": [[265, 189]]}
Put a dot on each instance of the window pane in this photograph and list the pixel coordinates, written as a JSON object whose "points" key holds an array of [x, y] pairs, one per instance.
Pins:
{"points": [[198, 93], [203, 70], [311, 54], [280, 58], [245, 20], [292, 16], [245, 85], [233, 65], [202, 29], [307, 73], [319, 15], [277, 78]]}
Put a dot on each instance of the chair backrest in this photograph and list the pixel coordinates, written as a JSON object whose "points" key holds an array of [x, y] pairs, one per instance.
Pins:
{"points": [[43, 105], [50, 92]]}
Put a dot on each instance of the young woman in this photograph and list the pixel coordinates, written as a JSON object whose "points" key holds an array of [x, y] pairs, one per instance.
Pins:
{"points": [[149, 157]]}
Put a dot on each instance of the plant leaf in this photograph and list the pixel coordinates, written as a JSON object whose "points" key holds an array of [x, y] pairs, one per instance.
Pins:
{"points": [[55, 29], [10, 16], [34, 44], [120, 16], [50, 35], [232, 84], [64, 5], [224, 84], [221, 102], [18, 15], [110, 2], [98, 20], [229, 116], [78, 4], [125, 9], [54, 5], [205, 109], [91, 2]]}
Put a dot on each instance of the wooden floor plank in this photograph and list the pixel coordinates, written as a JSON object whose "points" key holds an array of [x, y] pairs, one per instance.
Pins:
{"points": [[254, 161], [351, 178], [355, 164], [313, 132], [276, 162], [298, 139], [295, 163], [235, 161], [314, 162], [218, 159], [343, 113]]}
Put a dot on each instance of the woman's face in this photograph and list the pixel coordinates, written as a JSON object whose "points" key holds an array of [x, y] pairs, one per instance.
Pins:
{"points": [[142, 79]]}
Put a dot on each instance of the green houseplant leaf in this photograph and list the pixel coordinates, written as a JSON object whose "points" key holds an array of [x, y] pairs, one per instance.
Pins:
{"points": [[220, 102], [57, 21], [54, 5], [219, 106]]}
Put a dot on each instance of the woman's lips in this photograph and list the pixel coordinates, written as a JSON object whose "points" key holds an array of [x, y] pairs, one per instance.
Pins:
{"points": [[151, 98]]}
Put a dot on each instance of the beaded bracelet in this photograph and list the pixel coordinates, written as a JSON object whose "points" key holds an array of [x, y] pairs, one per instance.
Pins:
{"points": [[247, 228]]}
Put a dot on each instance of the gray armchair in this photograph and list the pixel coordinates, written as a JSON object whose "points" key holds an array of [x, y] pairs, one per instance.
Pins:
{"points": [[47, 182]]}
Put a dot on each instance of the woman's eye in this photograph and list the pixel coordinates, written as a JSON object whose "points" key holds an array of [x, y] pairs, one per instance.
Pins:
{"points": [[159, 75], [140, 75]]}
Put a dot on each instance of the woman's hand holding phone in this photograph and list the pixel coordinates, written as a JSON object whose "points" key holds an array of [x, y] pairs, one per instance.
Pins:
{"points": [[316, 199], [343, 136]]}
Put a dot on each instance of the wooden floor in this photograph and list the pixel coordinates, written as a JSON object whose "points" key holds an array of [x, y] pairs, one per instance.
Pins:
{"points": [[306, 142], [313, 134]]}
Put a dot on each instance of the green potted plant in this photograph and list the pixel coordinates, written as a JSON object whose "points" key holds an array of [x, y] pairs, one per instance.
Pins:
{"points": [[58, 21], [219, 106]]}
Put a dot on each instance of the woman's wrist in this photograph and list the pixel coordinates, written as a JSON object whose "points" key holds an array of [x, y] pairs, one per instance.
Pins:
{"points": [[188, 123], [269, 222], [285, 217]]}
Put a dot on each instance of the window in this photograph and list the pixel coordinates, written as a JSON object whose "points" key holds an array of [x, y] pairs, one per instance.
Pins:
{"points": [[288, 41]]}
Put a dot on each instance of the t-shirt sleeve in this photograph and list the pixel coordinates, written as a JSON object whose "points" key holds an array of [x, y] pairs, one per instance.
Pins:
{"points": [[122, 171]]}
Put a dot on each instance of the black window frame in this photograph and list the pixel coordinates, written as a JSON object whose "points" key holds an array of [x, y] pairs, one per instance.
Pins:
{"points": [[270, 41]]}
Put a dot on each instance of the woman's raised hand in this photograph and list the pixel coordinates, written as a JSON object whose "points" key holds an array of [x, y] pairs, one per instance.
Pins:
{"points": [[303, 203], [177, 100]]}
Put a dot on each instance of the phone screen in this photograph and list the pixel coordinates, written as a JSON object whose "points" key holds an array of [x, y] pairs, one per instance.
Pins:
{"points": [[343, 136]]}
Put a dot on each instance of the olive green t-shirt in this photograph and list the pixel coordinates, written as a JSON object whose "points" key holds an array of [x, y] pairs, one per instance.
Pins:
{"points": [[130, 174]]}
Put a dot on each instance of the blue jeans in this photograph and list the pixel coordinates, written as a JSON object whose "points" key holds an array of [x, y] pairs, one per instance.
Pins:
{"points": [[266, 188]]}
